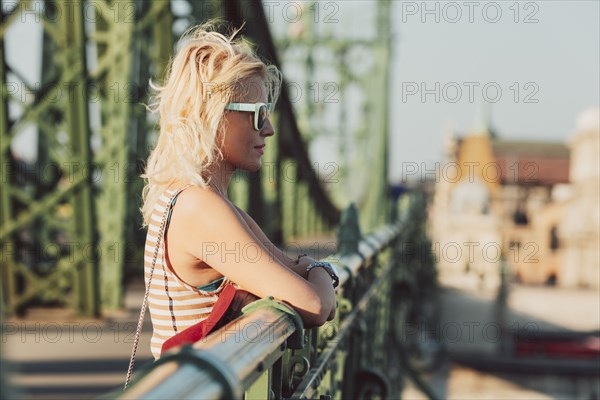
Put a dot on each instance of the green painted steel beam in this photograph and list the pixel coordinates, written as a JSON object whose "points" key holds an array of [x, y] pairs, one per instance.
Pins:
{"points": [[116, 109], [73, 59], [162, 34], [7, 246]]}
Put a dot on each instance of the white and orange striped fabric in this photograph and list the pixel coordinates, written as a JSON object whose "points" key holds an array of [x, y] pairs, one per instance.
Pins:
{"points": [[187, 304]]}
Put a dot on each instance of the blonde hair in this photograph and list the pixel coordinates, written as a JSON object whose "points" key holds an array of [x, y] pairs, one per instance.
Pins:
{"points": [[207, 72]]}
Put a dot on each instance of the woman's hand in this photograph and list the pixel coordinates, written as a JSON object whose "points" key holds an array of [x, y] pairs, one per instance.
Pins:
{"points": [[299, 266]]}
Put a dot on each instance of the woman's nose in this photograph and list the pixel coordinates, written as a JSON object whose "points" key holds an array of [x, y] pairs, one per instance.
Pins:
{"points": [[267, 130]]}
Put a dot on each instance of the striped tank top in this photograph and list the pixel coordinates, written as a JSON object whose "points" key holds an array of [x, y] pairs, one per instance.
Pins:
{"points": [[174, 305]]}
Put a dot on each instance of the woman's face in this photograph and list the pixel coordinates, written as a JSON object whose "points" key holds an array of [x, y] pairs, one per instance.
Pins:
{"points": [[243, 147]]}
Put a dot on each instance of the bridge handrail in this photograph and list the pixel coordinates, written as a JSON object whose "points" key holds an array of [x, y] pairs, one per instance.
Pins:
{"points": [[222, 366]]}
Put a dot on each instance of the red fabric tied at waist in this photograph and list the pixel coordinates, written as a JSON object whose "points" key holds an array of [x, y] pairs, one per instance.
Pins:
{"points": [[203, 328]]}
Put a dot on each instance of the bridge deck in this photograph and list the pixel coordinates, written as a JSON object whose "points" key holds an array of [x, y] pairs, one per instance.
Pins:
{"points": [[537, 308]]}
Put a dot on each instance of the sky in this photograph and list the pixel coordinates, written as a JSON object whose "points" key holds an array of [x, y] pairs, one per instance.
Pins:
{"points": [[534, 69]]}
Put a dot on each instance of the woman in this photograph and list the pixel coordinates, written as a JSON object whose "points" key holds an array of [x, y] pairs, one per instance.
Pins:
{"points": [[214, 118]]}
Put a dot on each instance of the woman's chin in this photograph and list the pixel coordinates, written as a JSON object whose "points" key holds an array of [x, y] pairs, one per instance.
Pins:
{"points": [[252, 167]]}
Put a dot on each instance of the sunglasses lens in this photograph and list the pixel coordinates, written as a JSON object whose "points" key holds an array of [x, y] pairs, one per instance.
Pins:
{"points": [[263, 114]]}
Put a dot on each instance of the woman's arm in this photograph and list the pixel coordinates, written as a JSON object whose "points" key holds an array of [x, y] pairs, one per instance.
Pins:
{"points": [[296, 265], [207, 227]]}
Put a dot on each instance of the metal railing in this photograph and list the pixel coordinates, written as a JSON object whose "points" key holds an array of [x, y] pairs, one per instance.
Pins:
{"points": [[267, 354]]}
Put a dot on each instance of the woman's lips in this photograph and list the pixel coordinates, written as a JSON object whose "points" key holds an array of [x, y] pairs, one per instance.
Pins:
{"points": [[260, 149]]}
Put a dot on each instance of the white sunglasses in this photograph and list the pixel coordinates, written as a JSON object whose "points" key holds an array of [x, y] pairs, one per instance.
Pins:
{"points": [[261, 112]]}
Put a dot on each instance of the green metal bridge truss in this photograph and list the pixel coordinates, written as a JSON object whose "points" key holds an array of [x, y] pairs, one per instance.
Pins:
{"points": [[69, 218]]}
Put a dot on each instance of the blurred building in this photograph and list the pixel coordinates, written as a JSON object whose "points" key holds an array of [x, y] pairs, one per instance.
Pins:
{"points": [[579, 230], [533, 206]]}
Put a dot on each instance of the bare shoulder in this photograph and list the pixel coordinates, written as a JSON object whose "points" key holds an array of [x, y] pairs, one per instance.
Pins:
{"points": [[196, 201], [201, 218], [197, 192], [198, 208]]}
